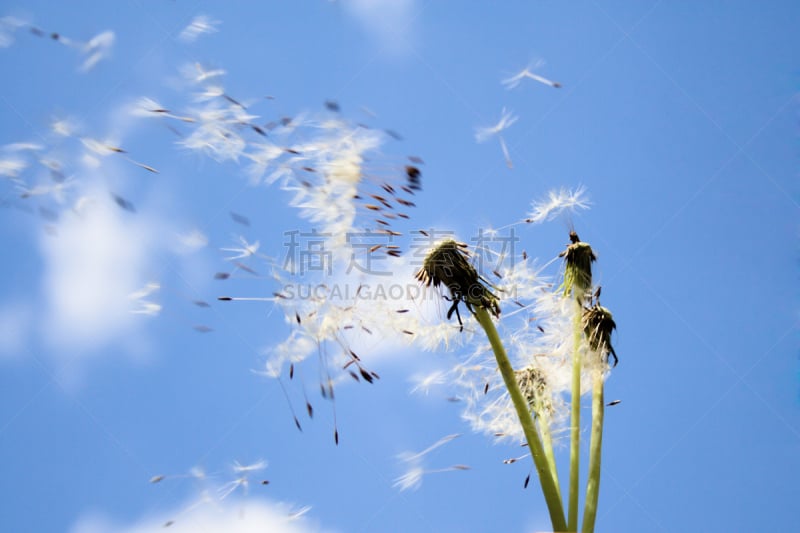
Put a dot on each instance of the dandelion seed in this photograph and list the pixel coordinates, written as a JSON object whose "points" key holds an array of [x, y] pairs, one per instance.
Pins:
{"points": [[527, 72], [484, 133], [97, 49], [143, 306], [124, 204], [614, 402], [247, 250], [558, 202], [294, 515], [9, 25], [200, 25], [412, 479], [240, 219]]}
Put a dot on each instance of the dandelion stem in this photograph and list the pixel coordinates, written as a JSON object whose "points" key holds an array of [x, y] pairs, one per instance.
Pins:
{"points": [[547, 443], [593, 483], [547, 477], [575, 423]]}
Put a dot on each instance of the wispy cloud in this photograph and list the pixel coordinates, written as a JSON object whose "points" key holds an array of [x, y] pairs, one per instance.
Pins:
{"points": [[15, 323], [229, 516], [96, 258], [390, 22]]}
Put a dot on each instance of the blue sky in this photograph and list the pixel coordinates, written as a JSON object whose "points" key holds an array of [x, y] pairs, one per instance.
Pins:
{"points": [[679, 118]]}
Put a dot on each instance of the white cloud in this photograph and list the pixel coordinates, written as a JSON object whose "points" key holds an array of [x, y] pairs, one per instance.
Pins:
{"points": [[15, 320], [391, 22], [96, 259], [249, 516]]}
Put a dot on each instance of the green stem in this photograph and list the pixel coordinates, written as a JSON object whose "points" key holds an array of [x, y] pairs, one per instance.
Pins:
{"points": [[593, 483], [575, 422], [547, 477], [547, 442]]}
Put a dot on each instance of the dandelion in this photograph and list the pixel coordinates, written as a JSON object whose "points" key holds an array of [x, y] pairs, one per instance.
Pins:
{"points": [[527, 72], [578, 259], [447, 265]]}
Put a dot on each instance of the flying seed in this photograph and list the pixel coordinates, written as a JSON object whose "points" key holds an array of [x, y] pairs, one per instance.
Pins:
{"points": [[291, 371], [221, 275], [202, 329], [310, 410], [408, 332], [240, 219], [393, 253], [527, 480], [486, 388], [297, 317], [156, 479], [246, 268], [614, 402]]}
